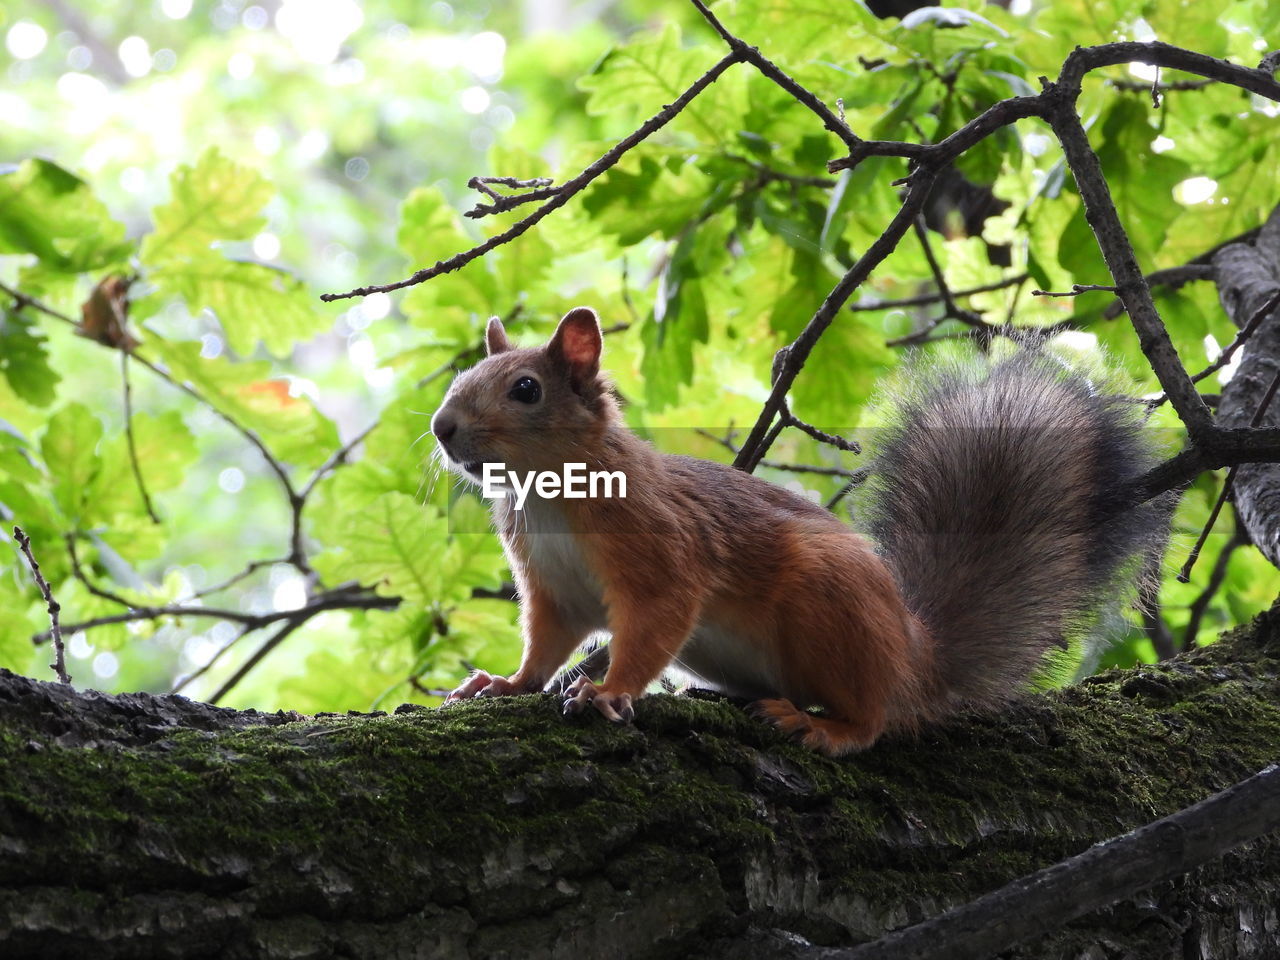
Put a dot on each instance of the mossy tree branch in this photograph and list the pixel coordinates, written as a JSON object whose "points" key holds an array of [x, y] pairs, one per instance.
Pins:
{"points": [[157, 826]]}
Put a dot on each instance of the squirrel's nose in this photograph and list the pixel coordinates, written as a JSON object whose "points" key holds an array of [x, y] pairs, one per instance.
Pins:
{"points": [[444, 427]]}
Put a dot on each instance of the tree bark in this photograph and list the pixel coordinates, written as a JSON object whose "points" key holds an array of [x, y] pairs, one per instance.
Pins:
{"points": [[140, 826], [1248, 274]]}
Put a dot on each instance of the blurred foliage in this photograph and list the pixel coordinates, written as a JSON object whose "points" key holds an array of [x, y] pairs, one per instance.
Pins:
{"points": [[236, 160]]}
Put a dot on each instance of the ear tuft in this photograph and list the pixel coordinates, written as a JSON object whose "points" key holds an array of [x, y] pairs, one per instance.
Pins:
{"points": [[495, 337], [577, 343]]}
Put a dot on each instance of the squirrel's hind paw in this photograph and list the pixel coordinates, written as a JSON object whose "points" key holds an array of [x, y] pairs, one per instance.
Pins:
{"points": [[482, 684], [824, 734], [613, 706]]}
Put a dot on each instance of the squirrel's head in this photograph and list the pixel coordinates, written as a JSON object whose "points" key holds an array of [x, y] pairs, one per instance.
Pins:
{"points": [[529, 409]]}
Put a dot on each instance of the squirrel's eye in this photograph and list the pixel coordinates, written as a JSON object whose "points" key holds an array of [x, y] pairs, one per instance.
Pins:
{"points": [[526, 390]]}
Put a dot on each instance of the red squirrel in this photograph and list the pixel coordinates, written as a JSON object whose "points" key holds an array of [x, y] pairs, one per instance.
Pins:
{"points": [[991, 509]]}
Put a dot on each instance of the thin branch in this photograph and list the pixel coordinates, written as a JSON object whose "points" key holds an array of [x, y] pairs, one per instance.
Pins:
{"points": [[59, 654], [539, 188], [926, 299], [1102, 875], [132, 444], [765, 174], [950, 310], [273, 641], [1184, 575], [1217, 577], [1171, 277], [335, 599], [1082, 60], [749, 54], [231, 581], [22, 300], [830, 439], [1076, 290], [567, 190], [815, 469], [1241, 337], [78, 572], [196, 674], [1118, 253], [857, 478], [1244, 334], [1135, 86], [798, 351], [482, 184]]}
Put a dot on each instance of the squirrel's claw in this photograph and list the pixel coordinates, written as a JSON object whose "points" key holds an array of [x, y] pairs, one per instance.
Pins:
{"points": [[470, 687], [612, 706]]}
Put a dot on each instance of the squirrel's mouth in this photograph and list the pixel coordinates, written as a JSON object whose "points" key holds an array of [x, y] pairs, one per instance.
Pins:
{"points": [[475, 468]]}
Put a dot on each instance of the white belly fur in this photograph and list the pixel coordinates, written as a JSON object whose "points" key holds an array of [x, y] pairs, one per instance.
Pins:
{"points": [[557, 562]]}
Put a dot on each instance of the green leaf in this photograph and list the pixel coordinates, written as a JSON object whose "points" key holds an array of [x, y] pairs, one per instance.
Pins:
{"points": [[215, 200], [293, 429], [1140, 179], [23, 617], [252, 301], [451, 305], [70, 451], [638, 78], [391, 544], [52, 213], [649, 192], [166, 449], [24, 361]]}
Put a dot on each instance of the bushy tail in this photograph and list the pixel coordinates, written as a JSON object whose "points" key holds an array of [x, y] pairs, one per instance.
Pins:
{"points": [[998, 499]]}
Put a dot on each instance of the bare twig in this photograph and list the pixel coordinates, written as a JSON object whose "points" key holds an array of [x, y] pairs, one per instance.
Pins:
{"points": [[291, 624], [1135, 86], [567, 190], [21, 301], [798, 351], [1241, 337], [1217, 576], [539, 188], [815, 469], [1245, 333], [59, 654], [1076, 290], [78, 572], [249, 570], [925, 299], [856, 479], [1118, 253], [196, 674], [132, 444], [1184, 575], [950, 310], [335, 599], [753, 56]]}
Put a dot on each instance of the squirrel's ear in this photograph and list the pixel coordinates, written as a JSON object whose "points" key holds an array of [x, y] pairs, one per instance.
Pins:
{"points": [[495, 337], [578, 342]]}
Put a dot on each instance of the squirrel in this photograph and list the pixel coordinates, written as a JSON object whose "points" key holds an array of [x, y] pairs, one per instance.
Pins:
{"points": [[998, 529]]}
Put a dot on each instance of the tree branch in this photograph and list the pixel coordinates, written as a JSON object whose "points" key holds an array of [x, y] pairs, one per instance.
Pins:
{"points": [[798, 351], [59, 655], [1103, 874], [567, 190]]}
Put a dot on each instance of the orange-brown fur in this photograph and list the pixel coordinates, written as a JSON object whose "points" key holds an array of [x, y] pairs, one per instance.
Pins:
{"points": [[748, 587]]}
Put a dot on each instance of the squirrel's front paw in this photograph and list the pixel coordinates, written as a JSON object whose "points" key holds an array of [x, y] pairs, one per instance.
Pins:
{"points": [[481, 684], [583, 693]]}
